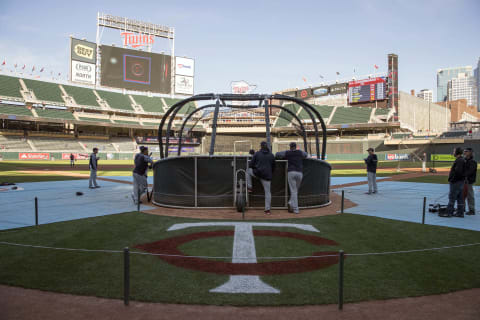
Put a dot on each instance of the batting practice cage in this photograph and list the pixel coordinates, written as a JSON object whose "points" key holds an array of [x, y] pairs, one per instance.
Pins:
{"points": [[219, 181]]}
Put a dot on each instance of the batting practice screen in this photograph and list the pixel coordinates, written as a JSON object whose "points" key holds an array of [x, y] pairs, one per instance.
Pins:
{"points": [[135, 70]]}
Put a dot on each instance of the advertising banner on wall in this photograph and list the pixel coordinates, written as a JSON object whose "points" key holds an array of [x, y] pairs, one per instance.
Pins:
{"points": [[397, 156], [442, 157], [183, 84], [320, 91], [83, 72], [77, 156], [33, 156], [184, 66], [83, 51]]}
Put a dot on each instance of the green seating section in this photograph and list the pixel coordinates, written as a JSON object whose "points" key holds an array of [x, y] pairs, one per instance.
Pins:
{"points": [[45, 91], [325, 112], [126, 122], [10, 87], [116, 100], [382, 111], [284, 118], [149, 104], [54, 113], [347, 115], [82, 96], [94, 119], [15, 110], [186, 109]]}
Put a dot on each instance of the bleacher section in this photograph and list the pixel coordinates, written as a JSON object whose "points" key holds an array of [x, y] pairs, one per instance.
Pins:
{"points": [[381, 111], [125, 145], [45, 91], [103, 146], [126, 121], [149, 104], [14, 143], [94, 119], [54, 113], [284, 118], [116, 100], [10, 87], [82, 96], [189, 107], [349, 115], [54, 144], [325, 112], [15, 110]]}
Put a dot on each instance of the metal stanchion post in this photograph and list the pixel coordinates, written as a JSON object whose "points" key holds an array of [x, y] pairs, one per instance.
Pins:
{"points": [[36, 211], [424, 205], [126, 276], [138, 202], [343, 199], [340, 280]]}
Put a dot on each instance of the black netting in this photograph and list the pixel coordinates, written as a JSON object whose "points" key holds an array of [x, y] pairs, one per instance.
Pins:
{"points": [[174, 182]]}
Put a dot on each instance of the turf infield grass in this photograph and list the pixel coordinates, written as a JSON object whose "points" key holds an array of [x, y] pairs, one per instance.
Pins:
{"points": [[366, 277]]}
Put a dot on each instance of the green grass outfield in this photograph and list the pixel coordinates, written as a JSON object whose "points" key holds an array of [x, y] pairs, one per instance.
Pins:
{"points": [[366, 277]]}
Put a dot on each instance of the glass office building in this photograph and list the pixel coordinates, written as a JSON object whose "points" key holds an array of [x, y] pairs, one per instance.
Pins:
{"points": [[447, 74]]}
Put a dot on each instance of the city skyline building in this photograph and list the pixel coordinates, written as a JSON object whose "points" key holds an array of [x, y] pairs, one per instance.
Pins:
{"points": [[463, 86], [426, 94], [445, 75]]}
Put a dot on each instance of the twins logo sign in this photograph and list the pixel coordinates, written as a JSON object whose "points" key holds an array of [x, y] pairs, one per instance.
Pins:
{"points": [[244, 270]]}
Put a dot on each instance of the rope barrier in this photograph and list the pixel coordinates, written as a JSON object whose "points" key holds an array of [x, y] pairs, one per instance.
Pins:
{"points": [[246, 258]]}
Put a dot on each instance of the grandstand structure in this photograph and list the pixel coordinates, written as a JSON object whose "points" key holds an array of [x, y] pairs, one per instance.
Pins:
{"points": [[40, 116]]}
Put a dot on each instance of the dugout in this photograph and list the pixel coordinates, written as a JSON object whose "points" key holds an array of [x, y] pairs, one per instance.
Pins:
{"points": [[217, 181]]}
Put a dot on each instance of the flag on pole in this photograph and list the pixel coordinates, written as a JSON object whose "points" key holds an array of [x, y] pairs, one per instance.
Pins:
{"points": [[24, 66], [4, 62], [15, 65], [321, 76], [33, 69], [338, 73], [304, 79], [376, 67], [41, 70]]}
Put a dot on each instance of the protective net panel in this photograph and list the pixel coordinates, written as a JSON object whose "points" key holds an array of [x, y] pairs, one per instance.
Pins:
{"points": [[174, 182]]}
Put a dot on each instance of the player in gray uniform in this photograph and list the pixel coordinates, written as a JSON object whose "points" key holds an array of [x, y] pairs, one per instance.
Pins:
{"points": [[93, 164], [140, 173]]}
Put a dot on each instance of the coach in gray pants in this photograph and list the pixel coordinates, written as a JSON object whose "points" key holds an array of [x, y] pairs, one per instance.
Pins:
{"points": [[470, 178], [140, 184], [92, 183], [295, 173]]}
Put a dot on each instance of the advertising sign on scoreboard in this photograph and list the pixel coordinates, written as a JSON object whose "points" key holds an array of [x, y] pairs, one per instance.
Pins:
{"points": [[183, 84], [135, 70], [84, 51], [83, 72], [184, 66], [338, 88], [366, 90]]}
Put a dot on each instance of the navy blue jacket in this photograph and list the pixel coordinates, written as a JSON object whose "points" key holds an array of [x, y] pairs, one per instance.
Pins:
{"points": [[457, 171], [141, 163], [470, 170], [371, 162], [294, 158], [263, 164]]}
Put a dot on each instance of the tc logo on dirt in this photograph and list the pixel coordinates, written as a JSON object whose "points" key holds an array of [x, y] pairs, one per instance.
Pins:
{"points": [[244, 270]]}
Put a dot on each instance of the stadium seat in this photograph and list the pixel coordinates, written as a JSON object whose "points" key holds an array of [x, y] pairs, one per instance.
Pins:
{"points": [[82, 96], [149, 104], [350, 115], [54, 113], [15, 110], [45, 91], [10, 87], [116, 100]]}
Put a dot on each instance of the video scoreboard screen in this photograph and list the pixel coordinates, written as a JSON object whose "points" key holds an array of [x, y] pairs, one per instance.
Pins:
{"points": [[366, 90], [135, 70]]}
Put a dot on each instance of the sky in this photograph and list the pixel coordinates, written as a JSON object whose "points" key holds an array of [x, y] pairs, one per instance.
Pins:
{"points": [[272, 44]]}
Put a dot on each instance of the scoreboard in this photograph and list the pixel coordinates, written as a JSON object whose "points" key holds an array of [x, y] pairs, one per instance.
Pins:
{"points": [[366, 90]]}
